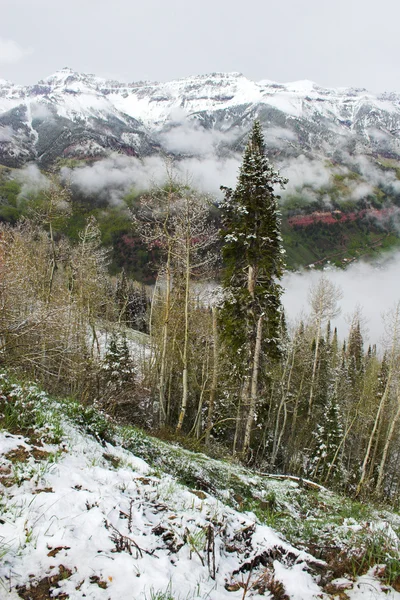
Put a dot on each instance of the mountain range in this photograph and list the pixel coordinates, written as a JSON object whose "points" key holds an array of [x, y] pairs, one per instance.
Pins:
{"points": [[74, 115]]}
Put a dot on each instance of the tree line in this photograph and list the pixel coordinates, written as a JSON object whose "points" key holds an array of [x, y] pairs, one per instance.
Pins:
{"points": [[206, 356]]}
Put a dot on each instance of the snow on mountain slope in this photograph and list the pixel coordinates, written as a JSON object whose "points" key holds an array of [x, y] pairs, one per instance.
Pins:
{"points": [[72, 112]]}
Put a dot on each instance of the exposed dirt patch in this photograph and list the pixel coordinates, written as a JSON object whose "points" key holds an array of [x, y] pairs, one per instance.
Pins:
{"points": [[201, 495], [20, 454], [39, 454], [55, 551], [7, 481], [113, 460], [47, 490], [144, 480], [261, 582], [338, 590], [44, 588], [95, 579], [266, 582]]}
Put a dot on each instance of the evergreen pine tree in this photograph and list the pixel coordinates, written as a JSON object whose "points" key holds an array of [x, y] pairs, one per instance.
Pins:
{"points": [[253, 265], [118, 378], [328, 436], [355, 351]]}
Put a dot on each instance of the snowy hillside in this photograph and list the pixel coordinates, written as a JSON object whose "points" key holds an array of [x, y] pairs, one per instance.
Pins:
{"points": [[77, 115], [84, 515]]}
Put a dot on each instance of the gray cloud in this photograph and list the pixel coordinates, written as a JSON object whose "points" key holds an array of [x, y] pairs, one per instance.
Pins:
{"points": [[303, 172], [373, 176], [41, 111], [188, 137], [278, 137], [12, 52], [113, 177], [209, 174], [309, 176], [32, 180], [357, 43]]}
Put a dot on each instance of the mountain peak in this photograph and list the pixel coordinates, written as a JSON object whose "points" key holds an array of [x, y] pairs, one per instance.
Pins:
{"points": [[299, 116], [66, 76], [303, 86]]}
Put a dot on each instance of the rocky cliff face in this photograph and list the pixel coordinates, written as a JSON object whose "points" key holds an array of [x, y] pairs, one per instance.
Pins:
{"points": [[73, 115]]}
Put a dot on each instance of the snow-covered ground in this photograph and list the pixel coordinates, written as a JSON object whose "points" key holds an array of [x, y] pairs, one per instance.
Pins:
{"points": [[81, 518]]}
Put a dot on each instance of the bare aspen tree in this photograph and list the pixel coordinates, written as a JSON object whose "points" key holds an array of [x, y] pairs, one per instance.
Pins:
{"points": [[285, 386], [323, 299], [88, 279], [389, 439], [393, 342], [193, 255], [214, 383], [49, 211], [156, 227], [175, 219]]}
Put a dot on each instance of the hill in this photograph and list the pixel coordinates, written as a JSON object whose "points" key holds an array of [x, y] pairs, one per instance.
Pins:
{"points": [[92, 509]]}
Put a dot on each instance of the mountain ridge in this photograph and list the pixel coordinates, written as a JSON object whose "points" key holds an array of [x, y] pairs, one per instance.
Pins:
{"points": [[91, 116]]}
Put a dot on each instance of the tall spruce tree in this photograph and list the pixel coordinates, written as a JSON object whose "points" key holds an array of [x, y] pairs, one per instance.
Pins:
{"points": [[251, 315]]}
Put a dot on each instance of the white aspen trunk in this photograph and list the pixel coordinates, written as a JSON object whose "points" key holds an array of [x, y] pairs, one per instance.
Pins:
{"points": [[296, 407], [170, 379], [151, 308], [185, 390], [285, 389], [214, 382], [53, 261], [283, 428], [371, 438], [254, 386], [238, 420], [385, 395], [374, 452], [251, 281], [165, 334], [314, 369], [389, 438], [196, 429]]}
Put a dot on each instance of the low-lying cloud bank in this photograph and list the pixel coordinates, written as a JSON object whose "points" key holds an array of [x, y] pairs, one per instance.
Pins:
{"points": [[113, 177], [32, 180], [375, 287], [372, 287], [361, 176], [116, 175]]}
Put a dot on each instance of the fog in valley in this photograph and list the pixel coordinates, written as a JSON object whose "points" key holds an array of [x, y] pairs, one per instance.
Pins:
{"points": [[371, 287]]}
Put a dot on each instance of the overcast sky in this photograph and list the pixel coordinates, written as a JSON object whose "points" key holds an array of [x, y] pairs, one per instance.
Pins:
{"points": [[339, 43]]}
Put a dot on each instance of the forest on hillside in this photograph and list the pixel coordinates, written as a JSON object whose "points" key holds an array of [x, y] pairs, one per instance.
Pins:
{"points": [[212, 366]]}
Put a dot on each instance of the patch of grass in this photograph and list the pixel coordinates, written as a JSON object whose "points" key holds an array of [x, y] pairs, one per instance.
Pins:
{"points": [[92, 421], [161, 595]]}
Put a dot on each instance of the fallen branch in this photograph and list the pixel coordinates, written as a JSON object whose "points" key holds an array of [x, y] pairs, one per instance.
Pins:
{"points": [[125, 543], [302, 482]]}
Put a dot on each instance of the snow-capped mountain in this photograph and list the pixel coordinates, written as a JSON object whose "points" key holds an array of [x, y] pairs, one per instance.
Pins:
{"points": [[73, 115]]}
